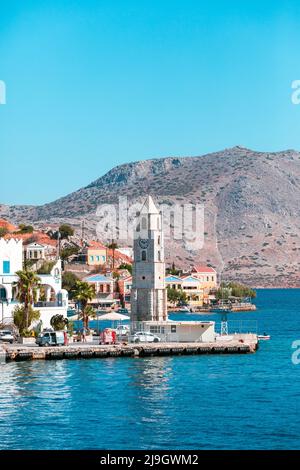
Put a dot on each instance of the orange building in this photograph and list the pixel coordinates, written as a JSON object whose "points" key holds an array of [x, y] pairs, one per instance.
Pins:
{"points": [[96, 253]]}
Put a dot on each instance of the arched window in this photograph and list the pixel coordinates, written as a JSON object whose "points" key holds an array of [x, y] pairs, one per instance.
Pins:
{"points": [[144, 255], [158, 240], [158, 256]]}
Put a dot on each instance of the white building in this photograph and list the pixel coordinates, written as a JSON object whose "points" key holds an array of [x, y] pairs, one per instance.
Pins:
{"points": [[55, 299], [34, 251], [183, 331], [11, 253]]}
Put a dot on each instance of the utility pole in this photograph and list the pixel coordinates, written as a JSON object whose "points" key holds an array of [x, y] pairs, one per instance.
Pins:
{"points": [[82, 232], [58, 244]]}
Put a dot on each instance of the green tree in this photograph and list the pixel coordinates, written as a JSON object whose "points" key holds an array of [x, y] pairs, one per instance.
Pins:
{"points": [[23, 318], [234, 289], [69, 282], [173, 270], [23, 228], [46, 267], [176, 295], [58, 322], [68, 251], [27, 286], [126, 266], [66, 231], [3, 231], [113, 246], [83, 292]]}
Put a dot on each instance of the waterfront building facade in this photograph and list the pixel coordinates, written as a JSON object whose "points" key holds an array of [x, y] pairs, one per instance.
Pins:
{"points": [[51, 298], [105, 295], [206, 274]]}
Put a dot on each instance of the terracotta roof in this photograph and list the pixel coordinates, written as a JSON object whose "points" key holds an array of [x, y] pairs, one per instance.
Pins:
{"points": [[120, 256], [125, 279], [94, 245], [7, 225], [203, 269], [34, 237]]}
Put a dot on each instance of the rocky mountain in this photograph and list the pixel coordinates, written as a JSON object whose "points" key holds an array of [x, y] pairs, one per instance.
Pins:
{"points": [[251, 209]]}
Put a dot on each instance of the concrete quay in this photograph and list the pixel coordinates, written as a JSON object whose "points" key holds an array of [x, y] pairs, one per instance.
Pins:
{"points": [[239, 344]]}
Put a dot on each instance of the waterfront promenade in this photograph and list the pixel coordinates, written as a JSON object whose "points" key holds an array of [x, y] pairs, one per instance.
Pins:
{"points": [[239, 344]]}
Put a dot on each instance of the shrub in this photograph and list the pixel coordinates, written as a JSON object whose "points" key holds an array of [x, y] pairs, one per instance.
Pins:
{"points": [[58, 322]]}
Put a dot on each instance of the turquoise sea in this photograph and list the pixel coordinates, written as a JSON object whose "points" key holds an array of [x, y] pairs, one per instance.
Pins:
{"points": [[192, 402]]}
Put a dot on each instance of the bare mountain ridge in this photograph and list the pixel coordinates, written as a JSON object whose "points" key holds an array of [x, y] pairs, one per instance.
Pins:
{"points": [[252, 214]]}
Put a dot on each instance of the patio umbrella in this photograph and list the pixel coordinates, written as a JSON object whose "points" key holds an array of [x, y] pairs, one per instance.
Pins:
{"points": [[113, 316]]}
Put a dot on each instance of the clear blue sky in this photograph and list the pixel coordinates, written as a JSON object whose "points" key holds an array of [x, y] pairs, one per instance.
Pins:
{"points": [[93, 84]]}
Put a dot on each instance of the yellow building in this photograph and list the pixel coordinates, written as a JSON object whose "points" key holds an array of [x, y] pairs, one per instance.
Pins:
{"points": [[96, 254], [206, 275], [197, 285], [194, 291]]}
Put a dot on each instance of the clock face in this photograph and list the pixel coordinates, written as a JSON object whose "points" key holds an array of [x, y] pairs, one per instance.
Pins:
{"points": [[143, 243]]}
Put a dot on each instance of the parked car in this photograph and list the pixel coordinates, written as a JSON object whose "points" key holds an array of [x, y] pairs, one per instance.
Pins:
{"points": [[122, 330], [51, 338], [144, 337], [7, 336]]}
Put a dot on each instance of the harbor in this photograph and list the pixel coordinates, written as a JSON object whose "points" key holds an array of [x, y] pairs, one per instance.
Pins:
{"points": [[239, 344], [116, 400]]}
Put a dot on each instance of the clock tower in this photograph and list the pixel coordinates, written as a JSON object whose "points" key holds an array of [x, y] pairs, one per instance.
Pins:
{"points": [[148, 295]]}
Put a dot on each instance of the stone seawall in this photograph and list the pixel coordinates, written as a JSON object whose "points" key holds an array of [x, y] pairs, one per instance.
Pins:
{"points": [[87, 351]]}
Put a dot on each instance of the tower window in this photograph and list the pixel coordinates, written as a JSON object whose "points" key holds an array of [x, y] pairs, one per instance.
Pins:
{"points": [[144, 255], [158, 256], [157, 222], [144, 223], [158, 240]]}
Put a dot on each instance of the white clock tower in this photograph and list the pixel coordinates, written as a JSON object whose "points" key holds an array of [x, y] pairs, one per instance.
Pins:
{"points": [[148, 295]]}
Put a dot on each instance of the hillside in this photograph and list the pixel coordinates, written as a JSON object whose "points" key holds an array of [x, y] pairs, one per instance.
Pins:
{"points": [[252, 213]]}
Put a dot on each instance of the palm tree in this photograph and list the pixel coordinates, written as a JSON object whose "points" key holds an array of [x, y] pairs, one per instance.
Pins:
{"points": [[83, 292], [113, 246], [27, 287]]}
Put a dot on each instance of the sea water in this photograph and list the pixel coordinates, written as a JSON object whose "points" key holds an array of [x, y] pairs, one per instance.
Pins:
{"points": [[183, 402]]}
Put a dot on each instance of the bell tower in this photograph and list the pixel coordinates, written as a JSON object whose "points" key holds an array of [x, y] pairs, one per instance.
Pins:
{"points": [[148, 295]]}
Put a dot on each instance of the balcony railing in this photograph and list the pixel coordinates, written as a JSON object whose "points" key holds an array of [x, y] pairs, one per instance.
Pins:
{"points": [[42, 304]]}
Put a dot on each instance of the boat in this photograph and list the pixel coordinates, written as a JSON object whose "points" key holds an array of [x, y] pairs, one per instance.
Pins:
{"points": [[264, 337], [184, 309]]}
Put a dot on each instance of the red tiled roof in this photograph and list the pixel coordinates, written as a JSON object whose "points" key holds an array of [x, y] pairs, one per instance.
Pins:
{"points": [[7, 225], [94, 245], [203, 269], [120, 256], [34, 237]]}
